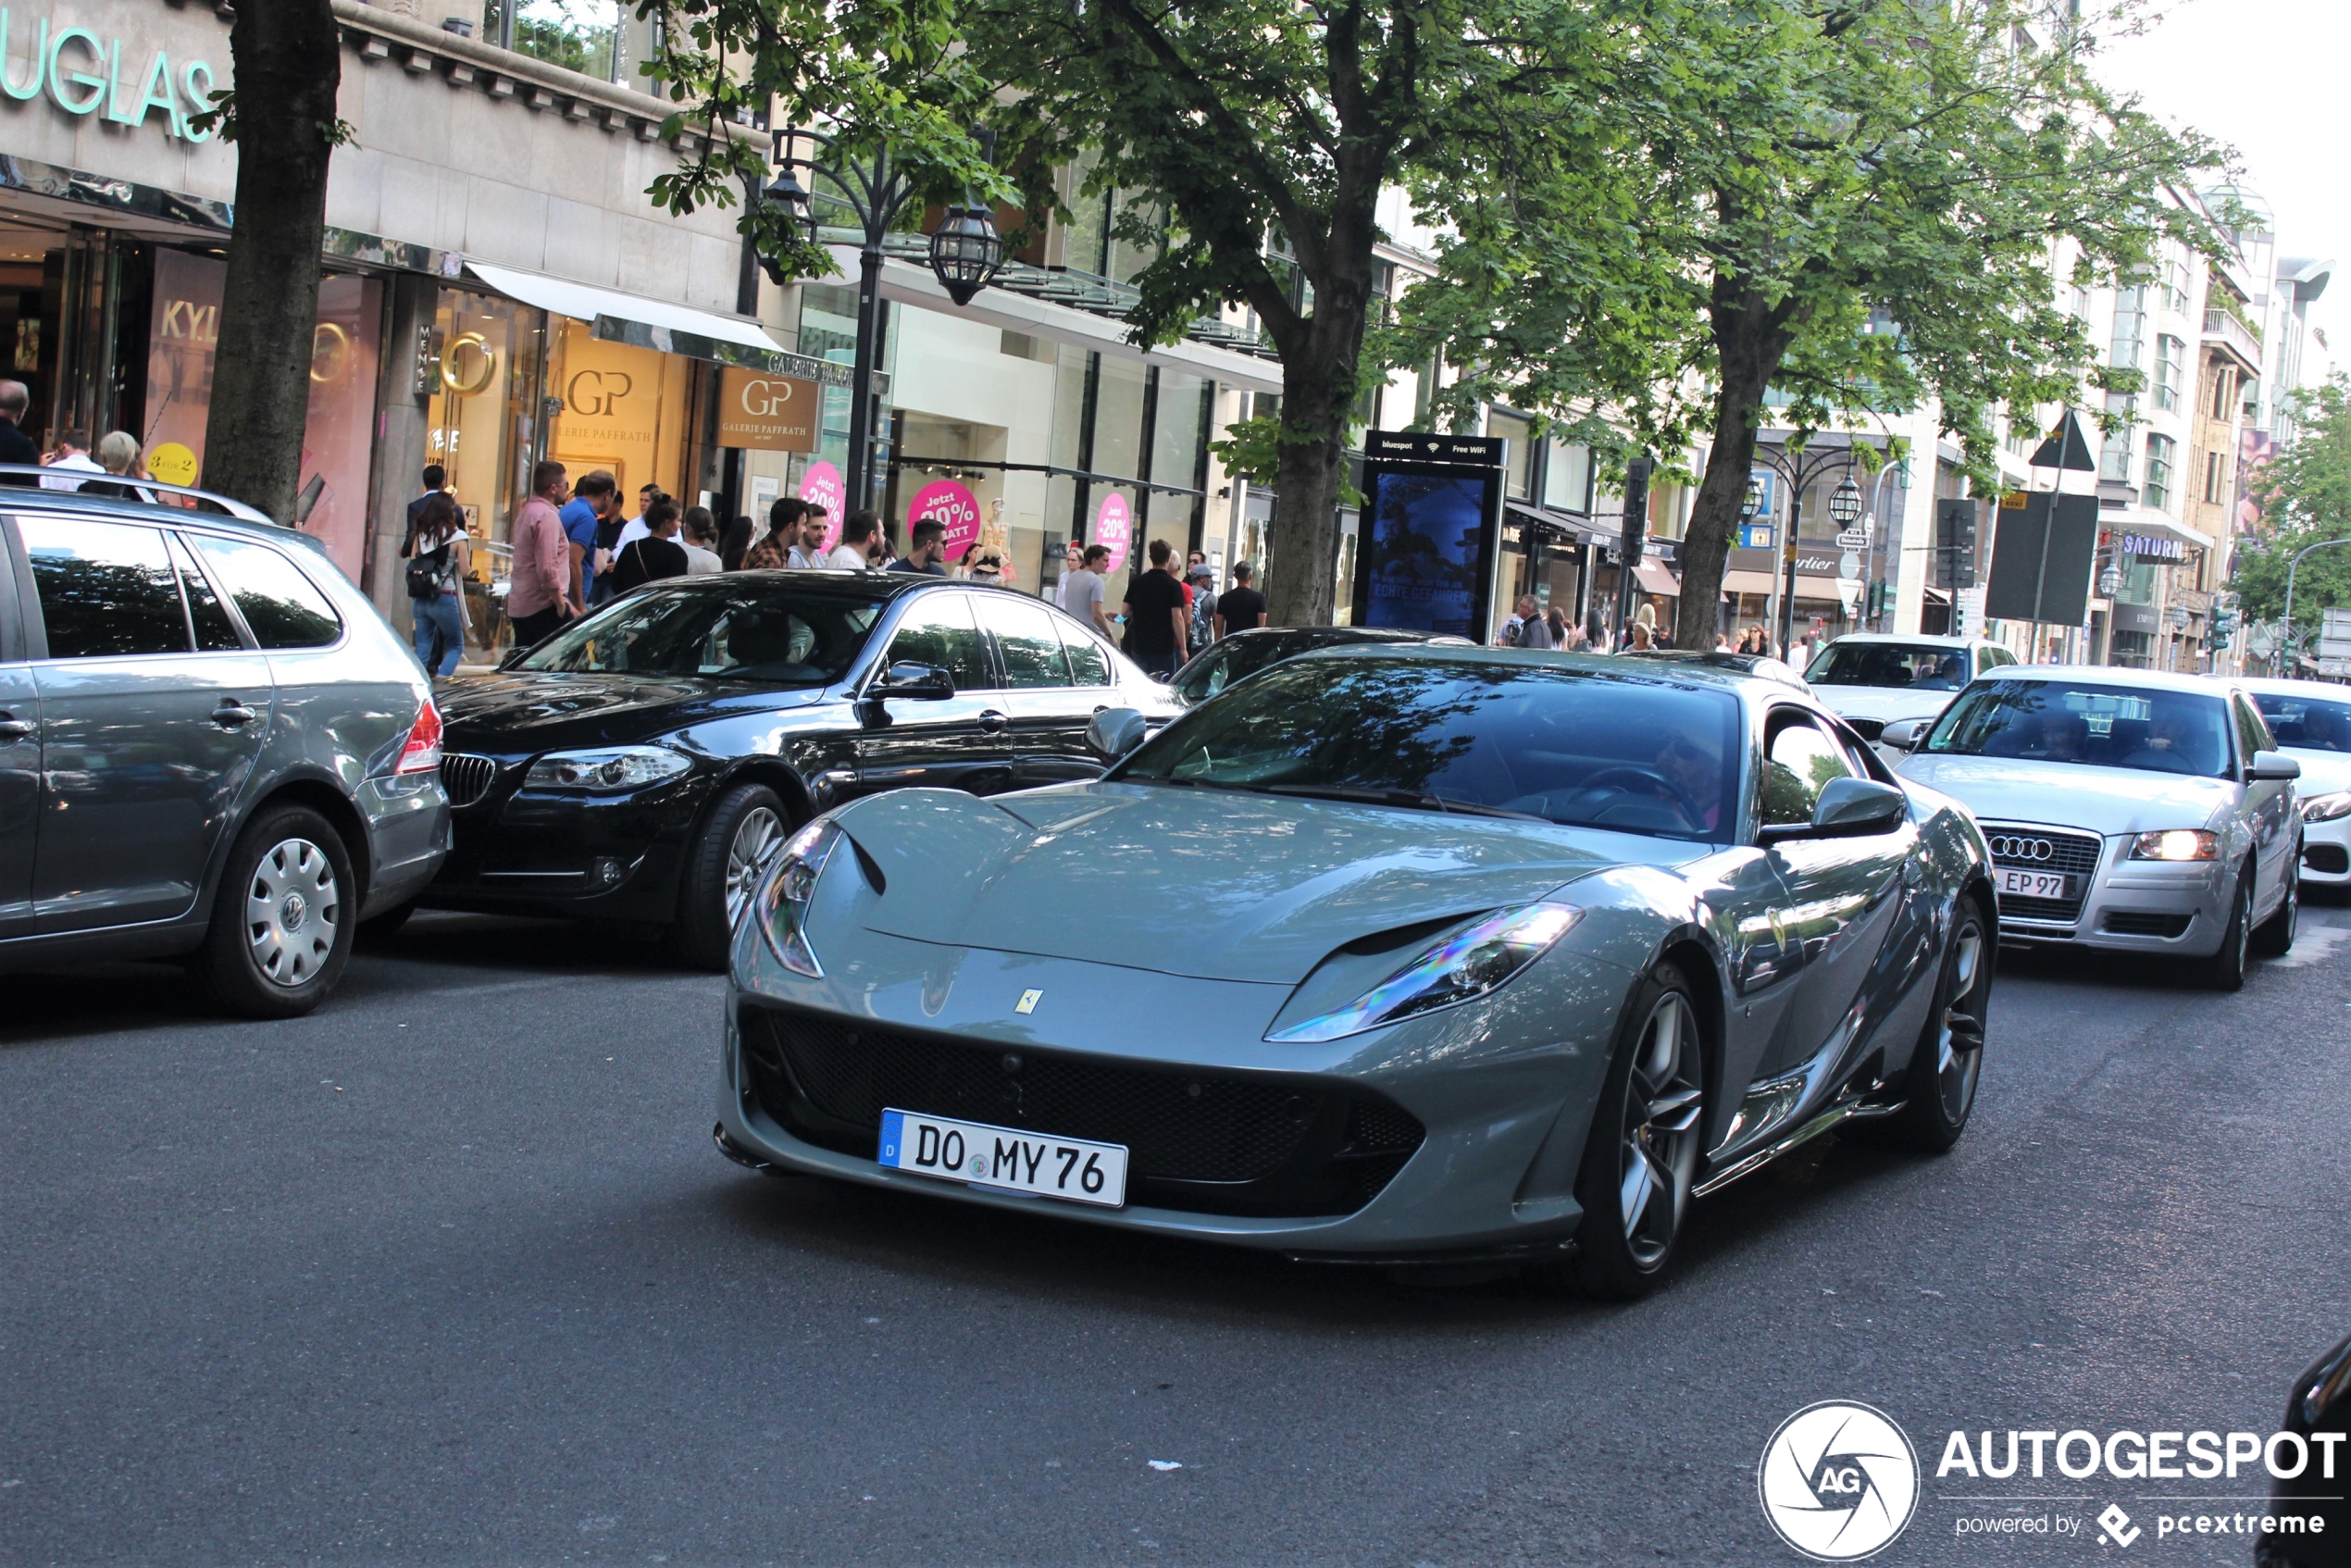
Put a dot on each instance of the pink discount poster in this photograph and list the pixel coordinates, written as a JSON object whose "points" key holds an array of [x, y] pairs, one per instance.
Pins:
{"points": [[1114, 526], [953, 505], [821, 486]]}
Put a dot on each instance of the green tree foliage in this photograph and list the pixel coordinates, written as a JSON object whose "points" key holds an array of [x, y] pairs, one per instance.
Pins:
{"points": [[875, 74], [1255, 137], [1855, 206], [2306, 497]]}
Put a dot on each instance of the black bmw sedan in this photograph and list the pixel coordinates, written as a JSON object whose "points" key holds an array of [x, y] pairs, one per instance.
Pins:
{"points": [[641, 765]]}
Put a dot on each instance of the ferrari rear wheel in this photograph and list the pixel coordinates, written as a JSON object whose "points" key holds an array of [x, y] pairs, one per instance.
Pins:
{"points": [[1641, 1157]]}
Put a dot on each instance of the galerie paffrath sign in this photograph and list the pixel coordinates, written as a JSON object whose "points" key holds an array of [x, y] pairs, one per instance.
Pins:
{"points": [[83, 72]]}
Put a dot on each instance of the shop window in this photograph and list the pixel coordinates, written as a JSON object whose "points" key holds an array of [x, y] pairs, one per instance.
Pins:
{"points": [[2114, 450], [338, 436], [2159, 486], [622, 410], [485, 394]]}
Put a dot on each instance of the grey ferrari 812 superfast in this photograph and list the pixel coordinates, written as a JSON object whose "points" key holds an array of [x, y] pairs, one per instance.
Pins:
{"points": [[1392, 954]]}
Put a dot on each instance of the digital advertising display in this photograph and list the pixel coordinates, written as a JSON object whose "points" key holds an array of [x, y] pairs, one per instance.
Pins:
{"points": [[1425, 559]]}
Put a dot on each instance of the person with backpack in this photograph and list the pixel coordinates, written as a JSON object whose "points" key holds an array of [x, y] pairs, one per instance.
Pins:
{"points": [[438, 556], [1202, 584]]}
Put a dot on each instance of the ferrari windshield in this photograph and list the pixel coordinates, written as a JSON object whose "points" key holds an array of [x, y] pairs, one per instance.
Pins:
{"points": [[1916, 667], [2063, 721], [775, 633], [2302, 724], [1572, 746]]}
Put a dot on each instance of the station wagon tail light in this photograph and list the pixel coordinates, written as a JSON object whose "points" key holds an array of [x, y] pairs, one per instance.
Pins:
{"points": [[2177, 843], [421, 754], [783, 902], [1470, 961], [2326, 808]]}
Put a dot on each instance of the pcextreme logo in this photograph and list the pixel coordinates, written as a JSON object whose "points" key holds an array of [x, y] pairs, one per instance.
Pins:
{"points": [[1840, 1481]]}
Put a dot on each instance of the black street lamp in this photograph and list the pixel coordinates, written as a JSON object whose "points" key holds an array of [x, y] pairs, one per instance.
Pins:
{"points": [[964, 255], [1800, 470]]}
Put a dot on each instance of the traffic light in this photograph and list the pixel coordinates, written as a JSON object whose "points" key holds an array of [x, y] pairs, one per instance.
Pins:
{"points": [[2223, 626], [1880, 591], [1954, 545]]}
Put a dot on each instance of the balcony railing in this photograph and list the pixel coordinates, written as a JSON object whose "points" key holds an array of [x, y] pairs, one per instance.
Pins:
{"points": [[2224, 326]]}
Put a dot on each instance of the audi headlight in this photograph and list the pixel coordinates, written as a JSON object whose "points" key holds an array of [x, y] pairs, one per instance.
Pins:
{"points": [[783, 900], [605, 772], [2177, 843], [2326, 808], [1472, 962]]}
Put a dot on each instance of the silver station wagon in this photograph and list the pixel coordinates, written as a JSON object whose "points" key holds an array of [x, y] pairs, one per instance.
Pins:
{"points": [[211, 746]]}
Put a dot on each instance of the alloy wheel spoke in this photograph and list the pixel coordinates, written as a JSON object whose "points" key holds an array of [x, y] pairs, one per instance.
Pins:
{"points": [[1633, 1193]]}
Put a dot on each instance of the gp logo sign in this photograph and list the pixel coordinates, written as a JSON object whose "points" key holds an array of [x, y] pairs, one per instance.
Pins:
{"points": [[1839, 1481]]}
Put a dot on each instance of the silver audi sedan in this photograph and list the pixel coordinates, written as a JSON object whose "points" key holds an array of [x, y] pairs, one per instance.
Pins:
{"points": [[2126, 809]]}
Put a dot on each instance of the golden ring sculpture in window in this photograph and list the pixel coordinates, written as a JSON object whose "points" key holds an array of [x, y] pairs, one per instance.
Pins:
{"points": [[455, 378], [329, 346]]}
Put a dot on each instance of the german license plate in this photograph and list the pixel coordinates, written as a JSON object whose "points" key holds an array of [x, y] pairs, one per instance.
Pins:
{"points": [[980, 1155], [2036, 884]]}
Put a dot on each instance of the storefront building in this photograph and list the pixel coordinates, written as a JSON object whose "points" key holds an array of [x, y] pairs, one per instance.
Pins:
{"points": [[498, 288]]}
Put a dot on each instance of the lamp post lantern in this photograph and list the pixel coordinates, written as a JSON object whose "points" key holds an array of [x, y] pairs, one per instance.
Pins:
{"points": [[1844, 502], [1801, 469], [966, 254]]}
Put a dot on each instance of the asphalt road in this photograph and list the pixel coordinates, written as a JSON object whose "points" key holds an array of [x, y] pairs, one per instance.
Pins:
{"points": [[451, 1274]]}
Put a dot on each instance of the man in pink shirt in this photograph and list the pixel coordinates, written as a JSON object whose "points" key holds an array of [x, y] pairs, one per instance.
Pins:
{"points": [[539, 599]]}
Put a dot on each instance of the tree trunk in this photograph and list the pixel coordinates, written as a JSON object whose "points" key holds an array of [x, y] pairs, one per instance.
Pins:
{"points": [[1318, 397], [1749, 344], [288, 68]]}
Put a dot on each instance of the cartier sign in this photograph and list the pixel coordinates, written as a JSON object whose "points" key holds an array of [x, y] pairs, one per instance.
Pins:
{"points": [[768, 412]]}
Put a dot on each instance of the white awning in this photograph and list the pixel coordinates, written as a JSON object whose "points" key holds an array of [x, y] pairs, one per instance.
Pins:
{"points": [[648, 323]]}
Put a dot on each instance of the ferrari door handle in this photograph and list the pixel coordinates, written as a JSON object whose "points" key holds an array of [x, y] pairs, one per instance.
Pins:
{"points": [[13, 728], [234, 715], [993, 722]]}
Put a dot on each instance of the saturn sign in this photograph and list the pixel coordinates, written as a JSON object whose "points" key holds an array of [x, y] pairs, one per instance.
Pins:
{"points": [[766, 413]]}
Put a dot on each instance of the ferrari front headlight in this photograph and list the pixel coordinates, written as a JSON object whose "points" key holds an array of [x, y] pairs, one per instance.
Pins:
{"points": [[2326, 808], [2177, 843], [1473, 961], [783, 898]]}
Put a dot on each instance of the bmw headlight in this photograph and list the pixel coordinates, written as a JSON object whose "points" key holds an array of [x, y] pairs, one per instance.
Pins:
{"points": [[605, 772], [1473, 961], [783, 900], [2326, 808], [2177, 843]]}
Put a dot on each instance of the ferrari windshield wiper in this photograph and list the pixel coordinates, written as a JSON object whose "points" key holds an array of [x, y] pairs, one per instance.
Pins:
{"points": [[1416, 800]]}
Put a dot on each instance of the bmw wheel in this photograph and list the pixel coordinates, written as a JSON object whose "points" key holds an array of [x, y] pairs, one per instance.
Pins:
{"points": [[724, 864], [1939, 1088], [281, 922], [1640, 1159]]}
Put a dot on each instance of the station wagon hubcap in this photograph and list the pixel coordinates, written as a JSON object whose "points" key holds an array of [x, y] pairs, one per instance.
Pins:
{"points": [[1663, 1102], [293, 911], [757, 838], [1959, 1047]]}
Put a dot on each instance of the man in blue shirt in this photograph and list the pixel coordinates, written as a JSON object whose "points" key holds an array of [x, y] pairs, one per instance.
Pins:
{"points": [[930, 539], [592, 501]]}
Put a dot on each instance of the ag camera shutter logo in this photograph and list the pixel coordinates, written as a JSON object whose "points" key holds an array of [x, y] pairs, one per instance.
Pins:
{"points": [[1840, 1481]]}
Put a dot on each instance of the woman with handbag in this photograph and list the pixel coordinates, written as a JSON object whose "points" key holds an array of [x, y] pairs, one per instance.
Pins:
{"points": [[438, 558]]}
